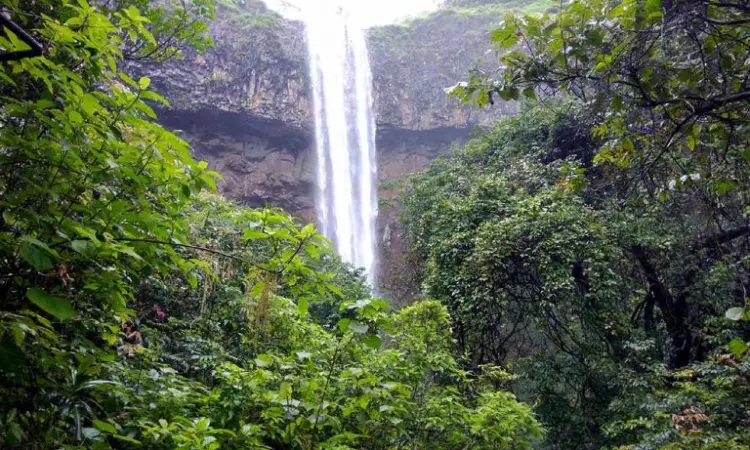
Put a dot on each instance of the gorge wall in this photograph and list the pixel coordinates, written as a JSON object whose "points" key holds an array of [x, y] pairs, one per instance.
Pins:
{"points": [[245, 106]]}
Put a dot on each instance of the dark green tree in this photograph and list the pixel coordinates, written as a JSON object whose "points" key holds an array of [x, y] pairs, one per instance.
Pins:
{"points": [[615, 231]]}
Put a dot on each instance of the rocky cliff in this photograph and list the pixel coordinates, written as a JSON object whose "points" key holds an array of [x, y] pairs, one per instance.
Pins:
{"points": [[245, 105], [415, 61]]}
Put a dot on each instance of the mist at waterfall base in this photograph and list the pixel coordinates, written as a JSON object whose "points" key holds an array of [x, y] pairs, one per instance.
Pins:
{"points": [[341, 79]]}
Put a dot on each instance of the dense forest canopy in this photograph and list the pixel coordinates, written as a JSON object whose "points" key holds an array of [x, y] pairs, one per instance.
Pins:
{"points": [[584, 264], [598, 240]]}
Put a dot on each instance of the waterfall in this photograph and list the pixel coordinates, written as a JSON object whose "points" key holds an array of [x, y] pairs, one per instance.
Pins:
{"points": [[344, 131]]}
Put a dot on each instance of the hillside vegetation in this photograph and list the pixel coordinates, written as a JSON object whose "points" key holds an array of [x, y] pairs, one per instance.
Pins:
{"points": [[597, 243]]}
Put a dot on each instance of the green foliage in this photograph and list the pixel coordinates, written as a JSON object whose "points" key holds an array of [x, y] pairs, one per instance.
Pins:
{"points": [[689, 75], [466, 9], [252, 13], [699, 407], [86, 172], [517, 234], [597, 240], [508, 241], [501, 6], [339, 392]]}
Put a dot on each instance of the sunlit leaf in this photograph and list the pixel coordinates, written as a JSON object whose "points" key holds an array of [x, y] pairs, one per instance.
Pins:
{"points": [[105, 427], [372, 341], [357, 327], [738, 347], [735, 313]]}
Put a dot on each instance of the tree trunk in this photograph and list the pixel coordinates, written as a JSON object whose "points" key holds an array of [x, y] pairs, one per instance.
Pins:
{"points": [[674, 311]]}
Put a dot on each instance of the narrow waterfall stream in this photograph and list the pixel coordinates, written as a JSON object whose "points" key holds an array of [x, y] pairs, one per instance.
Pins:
{"points": [[344, 131]]}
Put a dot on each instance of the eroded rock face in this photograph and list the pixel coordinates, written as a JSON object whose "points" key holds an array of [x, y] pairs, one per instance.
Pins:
{"points": [[262, 161], [246, 108], [414, 63], [257, 67]]}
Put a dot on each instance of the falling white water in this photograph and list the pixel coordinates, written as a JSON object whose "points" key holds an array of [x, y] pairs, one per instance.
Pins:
{"points": [[344, 132]]}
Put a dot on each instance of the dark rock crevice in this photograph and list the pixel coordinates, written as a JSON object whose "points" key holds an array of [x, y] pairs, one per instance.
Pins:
{"points": [[262, 161], [389, 136], [208, 124]]}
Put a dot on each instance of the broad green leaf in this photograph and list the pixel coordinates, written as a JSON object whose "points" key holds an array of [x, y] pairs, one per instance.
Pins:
{"points": [[303, 306], [129, 81], [16, 43], [9, 217], [150, 95], [58, 307], [257, 289], [372, 341], [738, 347], [105, 427], [263, 360], [75, 117], [255, 234], [40, 244], [37, 257], [284, 234], [307, 230], [343, 325], [144, 108], [19, 334], [127, 439], [83, 247], [335, 289], [44, 104], [129, 251]]}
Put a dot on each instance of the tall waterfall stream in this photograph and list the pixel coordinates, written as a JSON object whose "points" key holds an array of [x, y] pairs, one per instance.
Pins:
{"points": [[345, 133]]}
